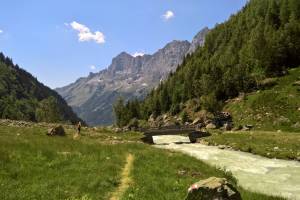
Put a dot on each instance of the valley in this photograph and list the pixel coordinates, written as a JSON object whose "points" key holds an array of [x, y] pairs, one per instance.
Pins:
{"points": [[213, 117]]}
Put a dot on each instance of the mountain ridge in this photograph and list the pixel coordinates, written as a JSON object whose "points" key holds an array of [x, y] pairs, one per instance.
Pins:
{"points": [[127, 76]]}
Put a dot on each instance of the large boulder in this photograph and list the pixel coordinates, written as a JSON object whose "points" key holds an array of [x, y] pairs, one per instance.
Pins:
{"points": [[58, 130], [213, 189]]}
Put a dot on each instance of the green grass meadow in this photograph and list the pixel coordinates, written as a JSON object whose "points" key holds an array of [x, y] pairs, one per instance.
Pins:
{"points": [[281, 145], [276, 108], [35, 166]]}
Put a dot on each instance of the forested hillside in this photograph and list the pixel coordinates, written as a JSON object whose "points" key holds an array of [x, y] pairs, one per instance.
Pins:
{"points": [[22, 97], [259, 42]]}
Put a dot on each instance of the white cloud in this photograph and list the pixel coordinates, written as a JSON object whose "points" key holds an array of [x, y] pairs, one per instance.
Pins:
{"points": [[93, 67], [1, 31], [85, 34], [168, 15], [136, 54]]}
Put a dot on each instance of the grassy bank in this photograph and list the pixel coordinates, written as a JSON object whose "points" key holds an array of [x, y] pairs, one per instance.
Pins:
{"points": [[272, 109], [283, 145], [35, 166]]}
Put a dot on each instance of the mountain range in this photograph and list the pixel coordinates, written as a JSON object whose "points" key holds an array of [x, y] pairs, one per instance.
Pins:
{"points": [[92, 97]]}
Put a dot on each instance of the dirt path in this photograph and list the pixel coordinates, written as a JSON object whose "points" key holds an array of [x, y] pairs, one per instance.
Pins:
{"points": [[254, 173], [125, 178]]}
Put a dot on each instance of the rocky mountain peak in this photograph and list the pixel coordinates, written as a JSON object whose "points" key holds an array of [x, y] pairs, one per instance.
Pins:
{"points": [[120, 62], [198, 40], [166, 59], [176, 43]]}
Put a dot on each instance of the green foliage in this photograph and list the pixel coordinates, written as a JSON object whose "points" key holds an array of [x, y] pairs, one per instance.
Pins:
{"points": [[124, 112], [274, 108], [48, 111], [210, 103], [185, 117], [22, 97], [120, 112], [259, 42]]}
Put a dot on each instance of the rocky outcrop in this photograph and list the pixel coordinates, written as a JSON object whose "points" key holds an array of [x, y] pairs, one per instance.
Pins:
{"points": [[128, 76], [213, 189]]}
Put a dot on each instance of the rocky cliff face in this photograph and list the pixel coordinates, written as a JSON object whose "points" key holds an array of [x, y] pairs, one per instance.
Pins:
{"points": [[198, 40], [92, 97]]}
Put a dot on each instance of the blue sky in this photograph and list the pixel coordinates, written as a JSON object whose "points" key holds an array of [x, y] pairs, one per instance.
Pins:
{"points": [[59, 41]]}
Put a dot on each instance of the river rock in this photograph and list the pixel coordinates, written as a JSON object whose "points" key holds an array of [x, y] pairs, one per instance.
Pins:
{"points": [[58, 130], [297, 83], [213, 189], [211, 126], [199, 127], [283, 120], [296, 125], [222, 146], [247, 127], [165, 117], [187, 124], [197, 121]]}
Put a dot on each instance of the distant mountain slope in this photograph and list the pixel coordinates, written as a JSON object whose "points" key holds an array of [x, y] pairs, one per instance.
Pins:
{"points": [[22, 97], [92, 97]]}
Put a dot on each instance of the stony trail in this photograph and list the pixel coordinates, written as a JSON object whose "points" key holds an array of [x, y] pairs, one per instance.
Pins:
{"points": [[255, 173]]}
